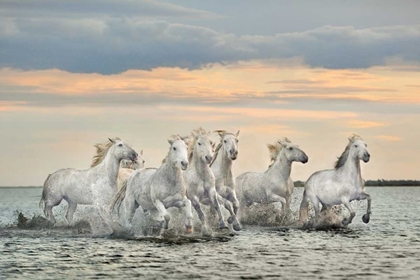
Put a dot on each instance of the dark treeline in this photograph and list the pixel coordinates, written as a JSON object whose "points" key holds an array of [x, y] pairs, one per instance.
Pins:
{"points": [[381, 183]]}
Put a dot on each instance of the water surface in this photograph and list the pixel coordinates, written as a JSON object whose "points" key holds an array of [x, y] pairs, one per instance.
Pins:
{"points": [[387, 247]]}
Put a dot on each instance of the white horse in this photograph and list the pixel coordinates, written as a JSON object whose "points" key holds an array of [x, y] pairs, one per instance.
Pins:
{"points": [[226, 152], [77, 186], [340, 185], [127, 167], [155, 190], [275, 184], [199, 178]]}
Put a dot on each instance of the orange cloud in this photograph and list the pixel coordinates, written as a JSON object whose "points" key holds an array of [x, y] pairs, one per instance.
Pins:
{"points": [[364, 124], [389, 138]]}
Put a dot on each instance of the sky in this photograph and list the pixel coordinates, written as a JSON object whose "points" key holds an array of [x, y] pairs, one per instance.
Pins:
{"points": [[73, 73]]}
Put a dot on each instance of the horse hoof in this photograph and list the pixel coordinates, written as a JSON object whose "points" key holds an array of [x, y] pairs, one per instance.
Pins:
{"points": [[222, 226], [188, 229], [366, 218], [230, 220], [237, 227]]}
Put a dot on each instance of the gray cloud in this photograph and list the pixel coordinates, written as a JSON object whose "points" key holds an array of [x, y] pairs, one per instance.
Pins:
{"points": [[113, 44]]}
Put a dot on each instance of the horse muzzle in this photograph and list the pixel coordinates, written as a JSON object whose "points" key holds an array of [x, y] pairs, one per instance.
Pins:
{"points": [[305, 159], [366, 157], [184, 165]]}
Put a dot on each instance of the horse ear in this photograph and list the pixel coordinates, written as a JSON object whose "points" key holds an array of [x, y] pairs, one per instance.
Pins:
{"points": [[112, 141], [170, 141], [141, 152], [237, 133], [283, 143], [186, 140], [220, 132]]}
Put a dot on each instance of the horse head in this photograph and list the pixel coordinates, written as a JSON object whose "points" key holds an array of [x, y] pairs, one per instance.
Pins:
{"points": [[122, 150], [230, 143], [358, 148], [292, 151], [178, 155], [202, 145]]}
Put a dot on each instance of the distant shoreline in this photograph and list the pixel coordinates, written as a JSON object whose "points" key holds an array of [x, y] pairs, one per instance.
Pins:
{"points": [[368, 183]]}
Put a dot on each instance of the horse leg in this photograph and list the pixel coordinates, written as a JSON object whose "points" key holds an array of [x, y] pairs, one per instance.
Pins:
{"points": [[347, 204], [70, 212], [232, 219], [49, 214], [215, 202], [366, 217], [197, 207], [276, 198], [163, 212], [129, 210]]}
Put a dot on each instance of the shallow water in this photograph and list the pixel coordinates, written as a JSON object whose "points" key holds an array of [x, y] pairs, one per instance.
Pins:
{"points": [[387, 247]]}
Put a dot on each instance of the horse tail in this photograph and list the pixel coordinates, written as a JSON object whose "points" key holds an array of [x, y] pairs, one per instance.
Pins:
{"points": [[44, 194], [303, 211], [119, 197]]}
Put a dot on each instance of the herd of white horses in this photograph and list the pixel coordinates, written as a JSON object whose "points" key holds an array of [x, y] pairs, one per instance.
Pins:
{"points": [[198, 172]]}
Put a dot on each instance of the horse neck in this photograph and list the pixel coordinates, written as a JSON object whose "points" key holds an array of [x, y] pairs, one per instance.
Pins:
{"points": [[109, 167], [281, 166], [201, 167], [171, 172], [351, 166], [223, 162]]}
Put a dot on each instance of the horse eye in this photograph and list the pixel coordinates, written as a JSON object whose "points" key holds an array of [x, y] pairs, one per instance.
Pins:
{"points": [[199, 144], [356, 146], [174, 149], [224, 141], [119, 145], [144, 161], [237, 140], [290, 148]]}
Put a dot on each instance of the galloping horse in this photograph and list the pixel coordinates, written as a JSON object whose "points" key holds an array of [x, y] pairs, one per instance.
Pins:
{"points": [[273, 185], [226, 152], [199, 178], [155, 190], [340, 185], [80, 186]]}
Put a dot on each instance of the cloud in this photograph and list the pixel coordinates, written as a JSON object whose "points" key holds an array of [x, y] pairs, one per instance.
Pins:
{"points": [[98, 8], [365, 124], [389, 138], [114, 43]]}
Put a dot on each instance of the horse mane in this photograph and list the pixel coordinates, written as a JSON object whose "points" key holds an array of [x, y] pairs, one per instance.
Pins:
{"points": [[276, 149], [192, 140], [102, 150], [173, 137], [343, 158], [216, 151]]}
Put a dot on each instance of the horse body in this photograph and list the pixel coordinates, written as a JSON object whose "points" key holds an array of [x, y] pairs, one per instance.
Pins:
{"points": [[275, 184], [155, 190], [201, 183], [340, 185], [81, 186], [226, 153]]}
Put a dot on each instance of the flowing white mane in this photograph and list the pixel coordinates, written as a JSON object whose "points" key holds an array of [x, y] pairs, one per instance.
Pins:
{"points": [[102, 150], [343, 158], [276, 149]]}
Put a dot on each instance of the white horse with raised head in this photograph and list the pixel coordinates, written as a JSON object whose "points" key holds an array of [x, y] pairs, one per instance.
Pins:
{"points": [[273, 185], [201, 183], [226, 152], [340, 185], [155, 190], [80, 186], [127, 167]]}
